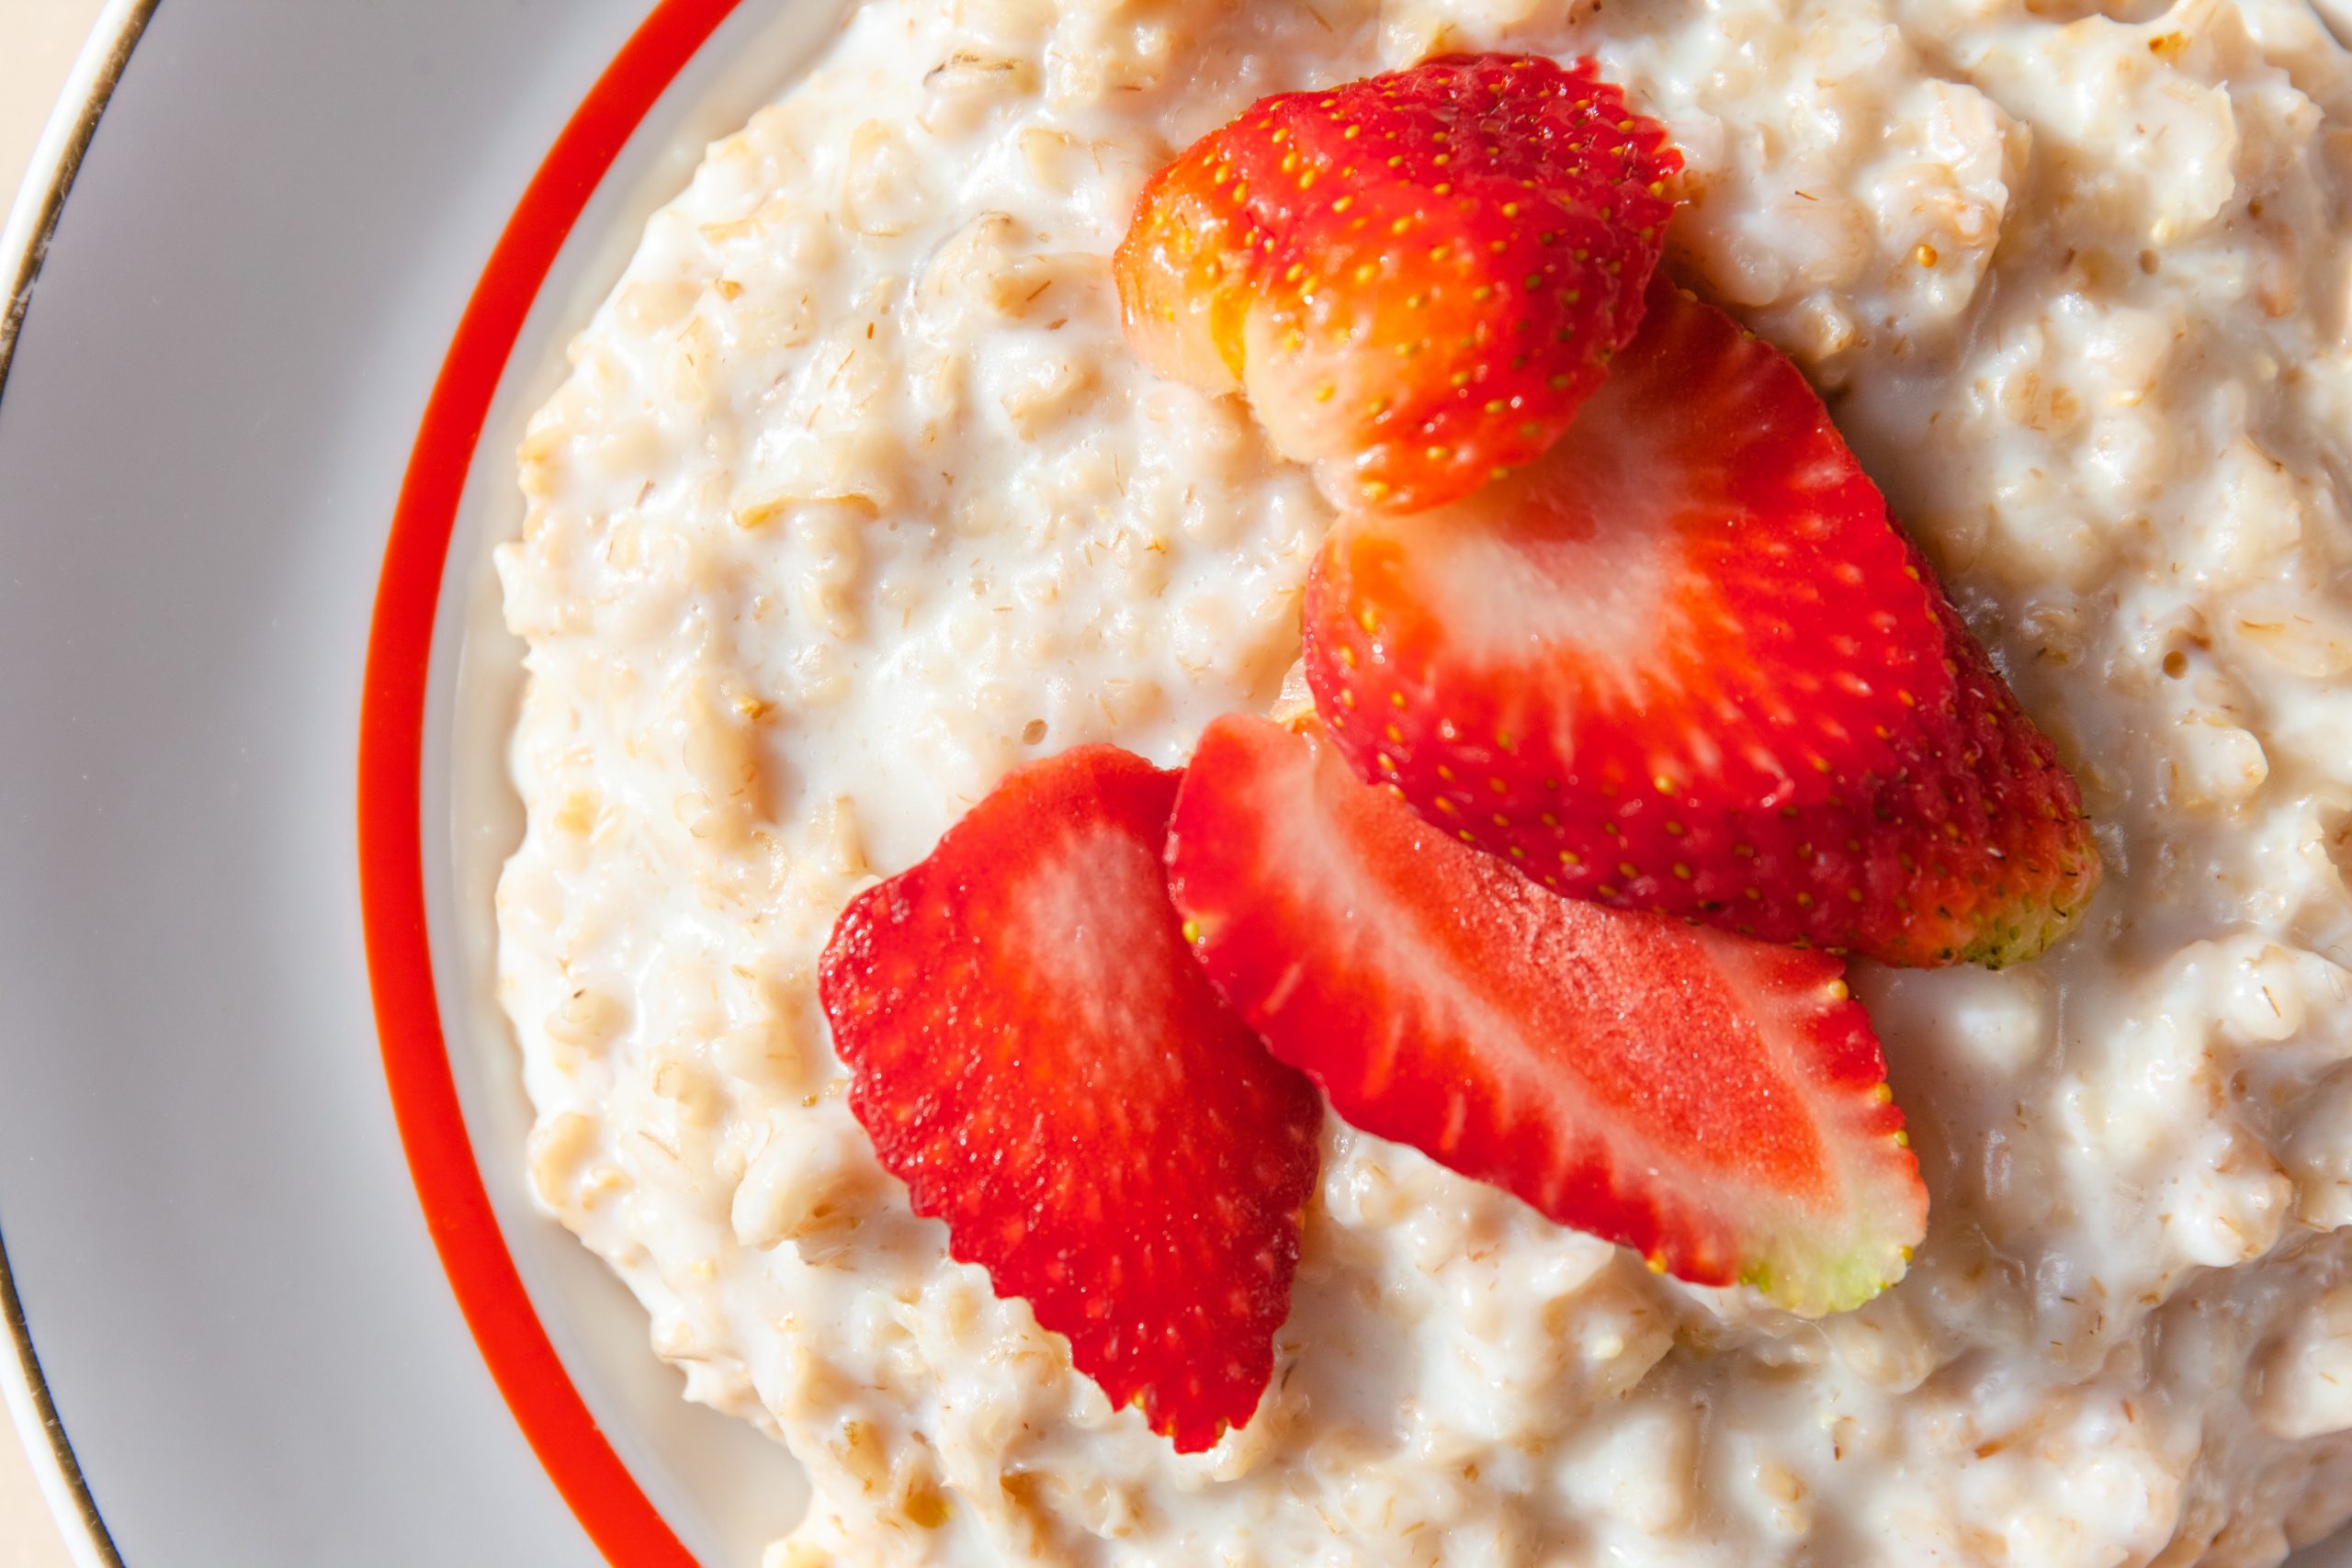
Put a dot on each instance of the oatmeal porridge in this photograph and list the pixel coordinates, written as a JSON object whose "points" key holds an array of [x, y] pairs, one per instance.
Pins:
{"points": [[856, 498]]}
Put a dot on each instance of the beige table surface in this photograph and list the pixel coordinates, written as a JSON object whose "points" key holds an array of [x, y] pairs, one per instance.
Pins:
{"points": [[37, 41]]}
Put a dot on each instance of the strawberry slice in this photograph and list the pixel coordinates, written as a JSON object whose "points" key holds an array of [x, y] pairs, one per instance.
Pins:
{"points": [[1416, 277], [1978, 851], [1718, 1104], [1686, 664], [1034, 1053]]}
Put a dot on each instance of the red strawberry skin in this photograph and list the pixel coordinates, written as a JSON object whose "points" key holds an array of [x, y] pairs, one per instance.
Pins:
{"points": [[1416, 277], [1719, 1105], [1977, 851], [1686, 664], [1034, 1051]]}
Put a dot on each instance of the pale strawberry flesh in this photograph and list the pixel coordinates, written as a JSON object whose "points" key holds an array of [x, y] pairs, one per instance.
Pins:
{"points": [[1686, 664], [1034, 1051], [1719, 1105]]}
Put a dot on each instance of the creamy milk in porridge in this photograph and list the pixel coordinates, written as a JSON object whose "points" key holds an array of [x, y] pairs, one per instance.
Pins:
{"points": [[855, 498]]}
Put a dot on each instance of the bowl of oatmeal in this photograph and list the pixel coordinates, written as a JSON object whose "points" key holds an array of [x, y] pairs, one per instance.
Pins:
{"points": [[869, 1108], [857, 499]]}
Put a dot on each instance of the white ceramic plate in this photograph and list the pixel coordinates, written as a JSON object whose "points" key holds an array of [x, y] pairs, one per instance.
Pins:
{"points": [[251, 326], [303, 288]]}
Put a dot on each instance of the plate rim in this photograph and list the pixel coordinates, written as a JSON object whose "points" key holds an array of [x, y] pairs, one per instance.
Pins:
{"points": [[33, 215], [39, 204], [606, 1499], [627, 1528]]}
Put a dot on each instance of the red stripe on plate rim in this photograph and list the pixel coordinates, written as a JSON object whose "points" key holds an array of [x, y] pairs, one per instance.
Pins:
{"points": [[610, 1506]]}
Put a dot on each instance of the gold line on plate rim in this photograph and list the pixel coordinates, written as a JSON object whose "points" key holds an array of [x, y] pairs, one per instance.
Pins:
{"points": [[26, 272]]}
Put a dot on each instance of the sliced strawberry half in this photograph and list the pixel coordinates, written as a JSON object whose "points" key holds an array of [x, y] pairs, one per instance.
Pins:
{"points": [[1415, 277], [1686, 664], [1035, 1054], [1720, 1105]]}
